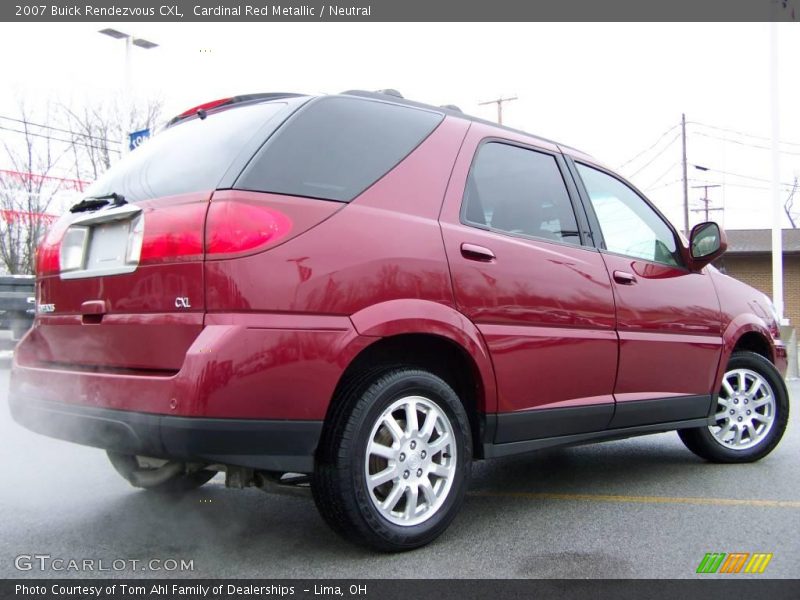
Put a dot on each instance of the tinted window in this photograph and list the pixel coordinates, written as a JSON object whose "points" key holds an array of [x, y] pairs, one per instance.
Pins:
{"points": [[629, 225], [337, 147], [519, 191], [188, 157]]}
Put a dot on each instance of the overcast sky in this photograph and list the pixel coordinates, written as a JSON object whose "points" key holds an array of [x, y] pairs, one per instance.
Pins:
{"points": [[609, 89]]}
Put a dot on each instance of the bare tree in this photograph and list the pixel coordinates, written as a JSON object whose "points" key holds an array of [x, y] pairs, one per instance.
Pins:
{"points": [[27, 190], [788, 204], [97, 130]]}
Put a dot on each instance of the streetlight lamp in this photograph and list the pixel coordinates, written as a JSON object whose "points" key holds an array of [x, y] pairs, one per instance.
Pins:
{"points": [[130, 41]]}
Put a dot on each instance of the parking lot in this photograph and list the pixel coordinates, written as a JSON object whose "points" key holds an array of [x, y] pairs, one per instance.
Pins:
{"points": [[644, 507]]}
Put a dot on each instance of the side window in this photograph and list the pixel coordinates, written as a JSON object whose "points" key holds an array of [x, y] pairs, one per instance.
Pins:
{"points": [[629, 225], [336, 147], [519, 191]]}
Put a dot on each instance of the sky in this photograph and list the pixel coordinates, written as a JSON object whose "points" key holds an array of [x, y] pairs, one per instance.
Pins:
{"points": [[611, 90]]}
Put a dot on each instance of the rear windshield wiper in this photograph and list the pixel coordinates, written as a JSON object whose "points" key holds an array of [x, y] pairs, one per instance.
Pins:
{"points": [[95, 202]]}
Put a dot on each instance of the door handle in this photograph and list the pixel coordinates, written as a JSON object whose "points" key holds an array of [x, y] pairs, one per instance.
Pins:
{"points": [[475, 252], [93, 307], [624, 277]]}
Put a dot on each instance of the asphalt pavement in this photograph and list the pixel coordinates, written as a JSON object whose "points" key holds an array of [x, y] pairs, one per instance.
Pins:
{"points": [[644, 507]]}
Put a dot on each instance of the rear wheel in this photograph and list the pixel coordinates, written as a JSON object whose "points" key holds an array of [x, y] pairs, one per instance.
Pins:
{"points": [[751, 413], [394, 461], [158, 475]]}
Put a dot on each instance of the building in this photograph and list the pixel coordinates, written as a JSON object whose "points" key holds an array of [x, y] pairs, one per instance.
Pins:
{"points": [[749, 259]]}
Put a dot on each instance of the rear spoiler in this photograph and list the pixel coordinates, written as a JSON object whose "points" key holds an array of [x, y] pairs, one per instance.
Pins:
{"points": [[201, 109]]}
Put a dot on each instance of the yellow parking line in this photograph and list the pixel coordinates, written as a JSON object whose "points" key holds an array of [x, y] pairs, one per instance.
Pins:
{"points": [[638, 499]]}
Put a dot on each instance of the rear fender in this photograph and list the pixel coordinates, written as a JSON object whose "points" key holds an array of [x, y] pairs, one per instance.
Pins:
{"points": [[413, 316]]}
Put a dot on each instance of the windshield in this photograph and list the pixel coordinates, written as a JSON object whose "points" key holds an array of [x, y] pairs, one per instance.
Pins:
{"points": [[191, 156]]}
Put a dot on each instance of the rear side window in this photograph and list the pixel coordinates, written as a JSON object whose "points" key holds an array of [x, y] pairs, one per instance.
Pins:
{"points": [[189, 157], [519, 191], [337, 147]]}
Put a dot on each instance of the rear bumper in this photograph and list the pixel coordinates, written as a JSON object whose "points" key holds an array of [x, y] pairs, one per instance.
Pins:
{"points": [[271, 445]]}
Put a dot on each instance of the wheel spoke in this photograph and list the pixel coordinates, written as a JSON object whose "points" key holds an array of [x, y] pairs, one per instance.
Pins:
{"points": [[394, 427], [382, 477], [740, 381], [751, 392], [737, 438], [440, 443], [751, 431], [411, 501], [727, 387], [439, 470], [721, 415], [393, 497], [726, 428], [763, 401], [427, 491], [412, 421], [428, 427], [386, 452], [762, 418]]}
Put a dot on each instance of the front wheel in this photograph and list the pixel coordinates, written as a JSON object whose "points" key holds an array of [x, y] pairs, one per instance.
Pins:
{"points": [[751, 413], [394, 460]]}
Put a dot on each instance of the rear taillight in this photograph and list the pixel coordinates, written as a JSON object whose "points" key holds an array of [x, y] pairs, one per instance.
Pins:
{"points": [[169, 234], [242, 222], [48, 253], [237, 226]]}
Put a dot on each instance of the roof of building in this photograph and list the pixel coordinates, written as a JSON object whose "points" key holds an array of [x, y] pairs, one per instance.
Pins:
{"points": [[755, 241]]}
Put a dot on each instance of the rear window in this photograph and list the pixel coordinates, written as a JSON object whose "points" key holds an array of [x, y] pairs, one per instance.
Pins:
{"points": [[189, 157], [337, 147]]}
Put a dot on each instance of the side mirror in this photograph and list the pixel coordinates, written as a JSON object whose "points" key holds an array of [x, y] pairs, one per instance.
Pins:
{"points": [[707, 242]]}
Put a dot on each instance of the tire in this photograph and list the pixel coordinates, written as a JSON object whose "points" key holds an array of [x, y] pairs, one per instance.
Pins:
{"points": [[173, 479], [434, 460], [756, 419]]}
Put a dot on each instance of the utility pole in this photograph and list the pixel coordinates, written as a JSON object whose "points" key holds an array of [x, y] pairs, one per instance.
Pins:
{"points": [[499, 102], [706, 200], [685, 179]]}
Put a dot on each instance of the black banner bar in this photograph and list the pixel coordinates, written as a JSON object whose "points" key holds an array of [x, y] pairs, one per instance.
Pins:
{"points": [[398, 10], [722, 588]]}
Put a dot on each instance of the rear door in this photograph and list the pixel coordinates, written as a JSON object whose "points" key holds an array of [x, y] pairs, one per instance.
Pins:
{"points": [[522, 273], [668, 318], [121, 285]]}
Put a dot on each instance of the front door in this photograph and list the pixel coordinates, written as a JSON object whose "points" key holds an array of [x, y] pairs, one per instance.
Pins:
{"points": [[668, 318]]}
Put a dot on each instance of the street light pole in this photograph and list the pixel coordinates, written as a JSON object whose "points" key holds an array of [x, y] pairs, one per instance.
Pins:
{"points": [[127, 87], [685, 178], [777, 208]]}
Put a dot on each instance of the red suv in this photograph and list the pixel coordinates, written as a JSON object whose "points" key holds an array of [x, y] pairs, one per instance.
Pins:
{"points": [[365, 294]]}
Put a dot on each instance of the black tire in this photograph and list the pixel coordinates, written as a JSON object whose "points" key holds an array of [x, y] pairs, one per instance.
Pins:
{"points": [[704, 444], [339, 483], [128, 466]]}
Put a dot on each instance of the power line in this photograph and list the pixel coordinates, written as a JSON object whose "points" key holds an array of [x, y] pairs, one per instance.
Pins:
{"points": [[660, 177], [649, 162], [47, 137], [69, 131], [663, 185], [740, 143], [742, 133], [745, 176], [646, 150]]}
